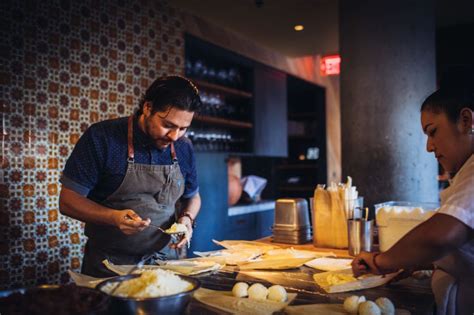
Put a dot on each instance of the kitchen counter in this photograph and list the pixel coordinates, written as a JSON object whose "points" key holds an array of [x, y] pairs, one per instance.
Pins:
{"points": [[409, 294]]}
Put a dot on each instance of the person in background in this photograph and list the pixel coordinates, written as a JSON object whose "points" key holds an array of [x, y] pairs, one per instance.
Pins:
{"points": [[125, 176], [447, 238]]}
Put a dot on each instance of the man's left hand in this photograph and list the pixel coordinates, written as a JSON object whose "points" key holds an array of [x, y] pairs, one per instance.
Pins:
{"points": [[187, 237]]}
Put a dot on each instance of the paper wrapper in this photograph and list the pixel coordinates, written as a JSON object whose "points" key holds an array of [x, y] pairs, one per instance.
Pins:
{"points": [[279, 264], [290, 253], [225, 301], [363, 282], [329, 264], [246, 245], [229, 256], [183, 267], [331, 209], [85, 280]]}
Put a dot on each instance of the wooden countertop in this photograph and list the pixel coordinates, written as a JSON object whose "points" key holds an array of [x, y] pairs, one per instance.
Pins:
{"points": [[342, 253], [409, 294]]}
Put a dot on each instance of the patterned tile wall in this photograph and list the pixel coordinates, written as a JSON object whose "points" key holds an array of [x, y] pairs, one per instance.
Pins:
{"points": [[66, 64]]}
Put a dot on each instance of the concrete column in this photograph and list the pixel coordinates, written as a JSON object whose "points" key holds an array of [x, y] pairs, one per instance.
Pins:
{"points": [[388, 68]]}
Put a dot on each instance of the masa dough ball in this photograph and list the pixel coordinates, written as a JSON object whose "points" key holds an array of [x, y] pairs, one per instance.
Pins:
{"points": [[369, 308], [385, 305], [277, 293], [351, 304], [240, 289], [258, 291]]}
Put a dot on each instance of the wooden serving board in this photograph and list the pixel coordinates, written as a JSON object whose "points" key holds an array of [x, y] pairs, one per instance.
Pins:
{"points": [[225, 301], [361, 283], [326, 309]]}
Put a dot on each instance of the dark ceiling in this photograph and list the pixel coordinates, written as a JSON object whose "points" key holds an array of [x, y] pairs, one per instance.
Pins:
{"points": [[271, 24]]}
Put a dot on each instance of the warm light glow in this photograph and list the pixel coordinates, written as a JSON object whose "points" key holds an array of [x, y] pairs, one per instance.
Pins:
{"points": [[330, 65], [299, 28]]}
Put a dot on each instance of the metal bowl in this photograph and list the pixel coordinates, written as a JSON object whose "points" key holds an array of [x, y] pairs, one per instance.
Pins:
{"points": [[170, 304], [53, 299]]}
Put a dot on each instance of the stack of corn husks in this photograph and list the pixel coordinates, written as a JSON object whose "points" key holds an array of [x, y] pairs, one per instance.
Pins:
{"points": [[331, 209]]}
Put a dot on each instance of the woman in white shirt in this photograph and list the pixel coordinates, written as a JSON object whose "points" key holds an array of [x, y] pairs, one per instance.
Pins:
{"points": [[447, 238]]}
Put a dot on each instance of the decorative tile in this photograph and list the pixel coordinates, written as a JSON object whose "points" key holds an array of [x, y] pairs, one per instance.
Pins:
{"points": [[65, 65]]}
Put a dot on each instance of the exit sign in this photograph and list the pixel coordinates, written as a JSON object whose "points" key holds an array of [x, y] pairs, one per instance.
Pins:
{"points": [[330, 65]]}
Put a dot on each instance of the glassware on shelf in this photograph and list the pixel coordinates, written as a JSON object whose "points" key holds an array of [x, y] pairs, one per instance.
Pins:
{"points": [[216, 140], [222, 76], [213, 105], [212, 73]]}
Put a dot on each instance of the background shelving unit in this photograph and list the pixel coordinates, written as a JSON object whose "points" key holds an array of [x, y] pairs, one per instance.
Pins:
{"points": [[305, 166], [225, 82]]}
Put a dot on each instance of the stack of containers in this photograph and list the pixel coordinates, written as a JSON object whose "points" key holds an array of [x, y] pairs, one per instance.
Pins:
{"points": [[292, 224]]}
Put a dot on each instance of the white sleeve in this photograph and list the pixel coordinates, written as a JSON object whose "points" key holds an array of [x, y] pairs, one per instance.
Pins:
{"points": [[460, 204]]}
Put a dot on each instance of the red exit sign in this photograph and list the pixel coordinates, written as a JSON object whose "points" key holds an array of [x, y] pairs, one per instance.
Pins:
{"points": [[330, 65]]}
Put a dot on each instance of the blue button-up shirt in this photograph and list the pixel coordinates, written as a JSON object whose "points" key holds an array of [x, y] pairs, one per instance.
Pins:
{"points": [[98, 163]]}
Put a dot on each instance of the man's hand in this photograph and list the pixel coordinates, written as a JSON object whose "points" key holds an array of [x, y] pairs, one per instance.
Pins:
{"points": [[129, 222], [187, 222]]}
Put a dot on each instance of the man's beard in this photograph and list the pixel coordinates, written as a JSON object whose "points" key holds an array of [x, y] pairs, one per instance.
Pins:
{"points": [[160, 143]]}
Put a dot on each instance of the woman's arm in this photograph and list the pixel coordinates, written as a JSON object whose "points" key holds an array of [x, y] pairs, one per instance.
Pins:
{"points": [[426, 243]]}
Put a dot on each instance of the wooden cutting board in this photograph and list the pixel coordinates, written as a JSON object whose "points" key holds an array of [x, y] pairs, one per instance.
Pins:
{"points": [[361, 283]]}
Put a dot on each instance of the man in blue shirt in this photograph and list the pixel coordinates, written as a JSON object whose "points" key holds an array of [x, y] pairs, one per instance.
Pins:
{"points": [[125, 174]]}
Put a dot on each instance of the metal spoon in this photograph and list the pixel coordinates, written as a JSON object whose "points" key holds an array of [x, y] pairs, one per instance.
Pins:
{"points": [[176, 236]]}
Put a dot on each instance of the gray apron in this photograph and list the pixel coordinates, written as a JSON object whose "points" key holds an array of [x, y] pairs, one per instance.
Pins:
{"points": [[151, 191]]}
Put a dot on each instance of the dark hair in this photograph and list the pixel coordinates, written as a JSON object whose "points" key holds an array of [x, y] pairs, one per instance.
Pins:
{"points": [[456, 91], [171, 91]]}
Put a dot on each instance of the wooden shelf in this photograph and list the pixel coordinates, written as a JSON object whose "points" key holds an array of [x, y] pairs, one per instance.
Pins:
{"points": [[223, 122], [297, 166], [223, 89], [297, 188], [302, 116]]}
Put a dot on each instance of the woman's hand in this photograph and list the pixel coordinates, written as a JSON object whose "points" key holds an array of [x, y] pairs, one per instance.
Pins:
{"points": [[129, 222], [363, 264]]}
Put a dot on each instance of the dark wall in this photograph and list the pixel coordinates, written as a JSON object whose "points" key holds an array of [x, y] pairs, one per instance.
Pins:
{"points": [[388, 68], [454, 47]]}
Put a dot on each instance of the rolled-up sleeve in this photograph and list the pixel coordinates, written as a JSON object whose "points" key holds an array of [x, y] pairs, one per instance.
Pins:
{"points": [[458, 199], [83, 167]]}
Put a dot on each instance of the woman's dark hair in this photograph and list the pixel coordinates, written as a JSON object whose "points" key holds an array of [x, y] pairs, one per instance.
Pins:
{"points": [[456, 91], [171, 91]]}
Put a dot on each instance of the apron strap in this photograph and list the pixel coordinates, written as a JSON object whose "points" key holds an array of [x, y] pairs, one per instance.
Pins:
{"points": [[131, 151], [173, 154]]}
